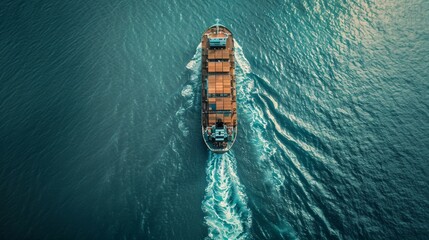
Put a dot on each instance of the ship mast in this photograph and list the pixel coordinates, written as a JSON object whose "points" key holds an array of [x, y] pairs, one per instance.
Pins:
{"points": [[217, 25]]}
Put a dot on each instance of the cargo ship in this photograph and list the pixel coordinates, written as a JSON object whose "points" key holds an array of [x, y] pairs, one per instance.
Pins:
{"points": [[218, 98]]}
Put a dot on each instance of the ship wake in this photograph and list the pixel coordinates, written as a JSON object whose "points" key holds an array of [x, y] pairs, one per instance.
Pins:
{"points": [[255, 115], [268, 154], [225, 202], [188, 90]]}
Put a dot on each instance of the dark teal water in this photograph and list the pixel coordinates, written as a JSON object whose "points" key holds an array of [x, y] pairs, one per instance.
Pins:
{"points": [[100, 136]]}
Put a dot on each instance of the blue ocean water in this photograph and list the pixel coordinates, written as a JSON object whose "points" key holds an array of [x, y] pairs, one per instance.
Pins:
{"points": [[100, 132]]}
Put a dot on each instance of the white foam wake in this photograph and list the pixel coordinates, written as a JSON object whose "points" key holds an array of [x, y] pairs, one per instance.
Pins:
{"points": [[241, 59], [195, 64], [258, 124], [225, 202], [188, 90]]}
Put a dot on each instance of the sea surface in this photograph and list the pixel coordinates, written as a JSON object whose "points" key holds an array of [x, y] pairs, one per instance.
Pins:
{"points": [[100, 132]]}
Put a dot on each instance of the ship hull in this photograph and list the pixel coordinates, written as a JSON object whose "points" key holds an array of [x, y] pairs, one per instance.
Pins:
{"points": [[218, 89]]}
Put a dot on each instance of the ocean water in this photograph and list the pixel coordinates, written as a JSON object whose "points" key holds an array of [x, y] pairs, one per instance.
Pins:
{"points": [[100, 121]]}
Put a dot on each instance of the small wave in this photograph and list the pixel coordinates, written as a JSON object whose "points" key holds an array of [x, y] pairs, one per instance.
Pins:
{"points": [[187, 91], [225, 202]]}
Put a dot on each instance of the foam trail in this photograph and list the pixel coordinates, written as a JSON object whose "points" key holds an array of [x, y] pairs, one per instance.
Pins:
{"points": [[195, 64], [246, 91], [241, 59], [188, 91], [225, 202]]}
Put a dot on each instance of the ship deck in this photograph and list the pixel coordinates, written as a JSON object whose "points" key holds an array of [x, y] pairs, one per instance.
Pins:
{"points": [[218, 68]]}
